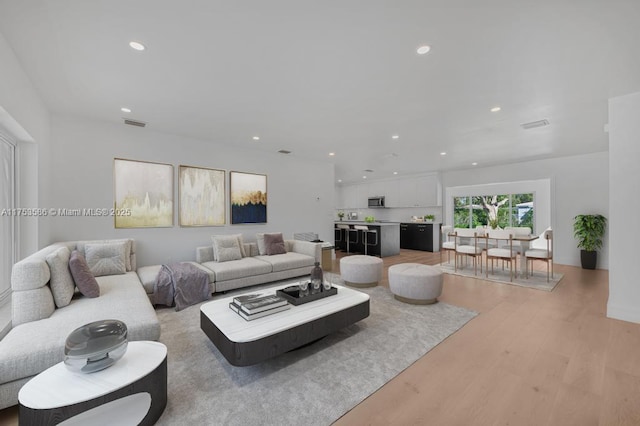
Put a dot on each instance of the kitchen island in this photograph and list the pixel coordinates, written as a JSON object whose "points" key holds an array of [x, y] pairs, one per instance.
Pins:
{"points": [[386, 244]]}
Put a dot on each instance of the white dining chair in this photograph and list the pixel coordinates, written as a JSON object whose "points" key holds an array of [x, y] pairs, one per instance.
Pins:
{"points": [[545, 254], [448, 244], [506, 253], [517, 230], [470, 249]]}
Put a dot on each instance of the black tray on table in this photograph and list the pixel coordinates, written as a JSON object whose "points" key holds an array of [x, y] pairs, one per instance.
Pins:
{"points": [[292, 294]]}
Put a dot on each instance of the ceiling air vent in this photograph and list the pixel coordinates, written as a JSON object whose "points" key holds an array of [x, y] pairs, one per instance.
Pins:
{"points": [[368, 170], [134, 123], [284, 151], [534, 124]]}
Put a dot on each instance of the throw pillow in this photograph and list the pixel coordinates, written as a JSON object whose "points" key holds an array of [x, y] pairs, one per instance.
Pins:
{"points": [[127, 256], [82, 276], [260, 240], [240, 245], [226, 248], [61, 282], [106, 259], [274, 244]]}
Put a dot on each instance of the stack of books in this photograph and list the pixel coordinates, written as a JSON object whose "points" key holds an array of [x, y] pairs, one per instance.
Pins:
{"points": [[252, 306]]}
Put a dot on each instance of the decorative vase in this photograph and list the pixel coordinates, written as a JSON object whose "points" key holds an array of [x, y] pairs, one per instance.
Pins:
{"points": [[316, 278]]}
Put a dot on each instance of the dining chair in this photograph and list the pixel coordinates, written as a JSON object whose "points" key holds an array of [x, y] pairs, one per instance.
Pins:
{"points": [[472, 249], [545, 254], [517, 230], [505, 253], [448, 244]]}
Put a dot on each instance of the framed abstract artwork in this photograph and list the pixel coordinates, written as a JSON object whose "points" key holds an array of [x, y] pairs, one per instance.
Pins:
{"points": [[144, 190], [248, 198], [202, 196]]}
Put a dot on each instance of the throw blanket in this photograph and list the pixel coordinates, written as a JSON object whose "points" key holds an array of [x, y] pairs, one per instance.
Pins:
{"points": [[182, 284]]}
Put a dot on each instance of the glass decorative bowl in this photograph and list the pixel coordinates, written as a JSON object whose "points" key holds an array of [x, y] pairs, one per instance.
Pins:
{"points": [[95, 346]]}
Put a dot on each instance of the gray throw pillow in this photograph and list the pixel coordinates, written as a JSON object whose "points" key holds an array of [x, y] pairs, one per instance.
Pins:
{"points": [[128, 250], [61, 282], [227, 248], [274, 244], [106, 259], [82, 276]]}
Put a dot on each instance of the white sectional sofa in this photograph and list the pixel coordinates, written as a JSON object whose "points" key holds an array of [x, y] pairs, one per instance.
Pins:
{"points": [[258, 269], [39, 329]]}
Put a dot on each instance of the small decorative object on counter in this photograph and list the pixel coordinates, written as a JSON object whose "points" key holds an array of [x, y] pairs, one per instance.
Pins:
{"points": [[340, 215], [369, 219], [95, 346], [316, 278], [429, 217]]}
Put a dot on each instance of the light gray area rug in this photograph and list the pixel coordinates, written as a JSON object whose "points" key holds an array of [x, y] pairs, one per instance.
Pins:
{"points": [[538, 281], [314, 385]]}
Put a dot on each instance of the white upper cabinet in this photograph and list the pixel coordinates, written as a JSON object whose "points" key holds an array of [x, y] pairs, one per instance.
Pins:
{"points": [[411, 191]]}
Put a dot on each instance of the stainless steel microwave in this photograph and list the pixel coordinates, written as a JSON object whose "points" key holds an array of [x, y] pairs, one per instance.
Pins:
{"points": [[376, 202]]}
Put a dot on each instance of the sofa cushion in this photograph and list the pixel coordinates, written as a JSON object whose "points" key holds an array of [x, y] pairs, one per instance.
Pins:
{"points": [[260, 241], [291, 260], [82, 275], [274, 244], [33, 347], [226, 248], [106, 258], [234, 269], [62, 285]]}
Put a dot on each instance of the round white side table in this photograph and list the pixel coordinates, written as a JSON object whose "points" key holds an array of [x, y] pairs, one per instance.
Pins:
{"points": [[132, 391]]}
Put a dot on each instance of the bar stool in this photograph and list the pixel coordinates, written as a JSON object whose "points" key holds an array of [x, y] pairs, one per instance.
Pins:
{"points": [[340, 235], [349, 232], [365, 236]]}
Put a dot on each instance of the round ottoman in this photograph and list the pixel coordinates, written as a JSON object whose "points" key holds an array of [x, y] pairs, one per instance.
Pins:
{"points": [[361, 271], [415, 283]]}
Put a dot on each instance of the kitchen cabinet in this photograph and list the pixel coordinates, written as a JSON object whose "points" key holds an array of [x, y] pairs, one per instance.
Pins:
{"points": [[420, 236]]}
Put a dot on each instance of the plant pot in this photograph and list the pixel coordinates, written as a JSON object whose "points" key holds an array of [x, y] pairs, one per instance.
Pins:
{"points": [[588, 259]]}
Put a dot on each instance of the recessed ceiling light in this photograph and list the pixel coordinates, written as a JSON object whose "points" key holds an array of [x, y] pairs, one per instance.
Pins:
{"points": [[495, 109], [395, 173], [443, 153], [339, 180], [423, 49], [395, 137], [474, 164], [125, 109], [364, 177], [331, 154], [136, 45], [256, 138]]}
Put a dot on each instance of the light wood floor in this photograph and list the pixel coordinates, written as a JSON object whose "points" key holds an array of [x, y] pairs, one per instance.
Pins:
{"points": [[529, 358]]}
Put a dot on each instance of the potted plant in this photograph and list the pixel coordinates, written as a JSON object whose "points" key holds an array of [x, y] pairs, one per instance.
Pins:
{"points": [[429, 217], [341, 215], [589, 230]]}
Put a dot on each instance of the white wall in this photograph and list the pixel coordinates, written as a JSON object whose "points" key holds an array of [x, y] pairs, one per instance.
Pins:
{"points": [[26, 119], [300, 193], [624, 203], [579, 185]]}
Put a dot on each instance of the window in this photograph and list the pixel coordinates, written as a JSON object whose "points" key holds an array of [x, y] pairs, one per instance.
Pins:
{"points": [[7, 221], [503, 209]]}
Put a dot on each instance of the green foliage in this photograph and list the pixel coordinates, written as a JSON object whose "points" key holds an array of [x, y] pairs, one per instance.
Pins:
{"points": [[369, 219], [429, 217], [340, 215], [494, 223], [589, 230]]}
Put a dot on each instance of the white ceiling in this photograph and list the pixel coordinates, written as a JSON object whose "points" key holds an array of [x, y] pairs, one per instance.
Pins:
{"points": [[341, 76]]}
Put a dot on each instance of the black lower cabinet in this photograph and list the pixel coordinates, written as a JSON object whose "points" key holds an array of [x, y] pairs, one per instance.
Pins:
{"points": [[417, 236]]}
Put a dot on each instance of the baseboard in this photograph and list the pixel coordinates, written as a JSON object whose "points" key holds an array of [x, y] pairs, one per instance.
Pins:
{"points": [[623, 313]]}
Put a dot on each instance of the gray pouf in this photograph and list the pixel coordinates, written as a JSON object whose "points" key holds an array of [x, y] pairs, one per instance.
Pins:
{"points": [[415, 283], [361, 271]]}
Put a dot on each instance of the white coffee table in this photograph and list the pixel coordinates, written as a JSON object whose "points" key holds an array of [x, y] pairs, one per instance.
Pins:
{"points": [[132, 391], [249, 342]]}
